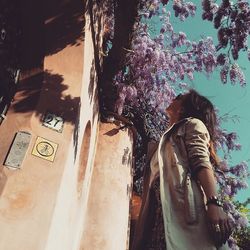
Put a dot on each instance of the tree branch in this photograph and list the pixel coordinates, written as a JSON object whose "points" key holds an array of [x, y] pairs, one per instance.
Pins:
{"points": [[126, 13]]}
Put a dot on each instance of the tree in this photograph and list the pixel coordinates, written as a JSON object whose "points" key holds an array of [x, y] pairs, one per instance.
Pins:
{"points": [[142, 71]]}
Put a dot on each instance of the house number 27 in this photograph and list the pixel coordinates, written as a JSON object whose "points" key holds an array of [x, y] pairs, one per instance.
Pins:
{"points": [[53, 121]]}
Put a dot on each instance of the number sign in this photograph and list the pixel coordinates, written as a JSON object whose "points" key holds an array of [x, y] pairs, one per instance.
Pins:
{"points": [[53, 121]]}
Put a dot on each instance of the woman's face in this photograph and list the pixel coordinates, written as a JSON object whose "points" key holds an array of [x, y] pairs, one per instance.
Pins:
{"points": [[175, 109]]}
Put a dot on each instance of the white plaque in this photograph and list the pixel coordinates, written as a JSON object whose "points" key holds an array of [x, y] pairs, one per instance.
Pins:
{"points": [[18, 149], [53, 121]]}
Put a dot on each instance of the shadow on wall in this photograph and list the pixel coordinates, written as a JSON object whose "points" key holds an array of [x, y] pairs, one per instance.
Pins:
{"points": [[29, 90], [92, 81], [93, 96], [94, 10], [64, 24], [34, 85], [48, 27]]}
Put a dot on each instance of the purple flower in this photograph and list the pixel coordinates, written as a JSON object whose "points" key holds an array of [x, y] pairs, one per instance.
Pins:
{"points": [[232, 243], [242, 222], [224, 166], [223, 73], [220, 179], [227, 190], [230, 139], [183, 10], [233, 74], [243, 5], [221, 59], [229, 207], [240, 170]]}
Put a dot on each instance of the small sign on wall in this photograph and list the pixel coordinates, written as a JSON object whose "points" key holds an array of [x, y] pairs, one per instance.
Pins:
{"points": [[18, 150], [45, 149], [53, 121]]}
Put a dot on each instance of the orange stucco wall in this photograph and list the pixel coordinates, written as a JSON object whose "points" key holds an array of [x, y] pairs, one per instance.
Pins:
{"points": [[81, 199], [40, 202], [107, 219]]}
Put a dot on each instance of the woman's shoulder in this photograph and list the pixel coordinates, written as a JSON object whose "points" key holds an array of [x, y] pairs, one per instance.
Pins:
{"points": [[188, 125], [195, 121], [195, 124]]}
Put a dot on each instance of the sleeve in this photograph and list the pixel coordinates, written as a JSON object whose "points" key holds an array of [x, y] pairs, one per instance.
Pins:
{"points": [[197, 145]]}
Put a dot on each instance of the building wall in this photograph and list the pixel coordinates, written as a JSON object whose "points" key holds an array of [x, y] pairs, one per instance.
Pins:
{"points": [[59, 205], [107, 219]]}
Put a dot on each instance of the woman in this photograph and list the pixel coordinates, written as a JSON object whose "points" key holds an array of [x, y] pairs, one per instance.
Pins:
{"points": [[179, 212]]}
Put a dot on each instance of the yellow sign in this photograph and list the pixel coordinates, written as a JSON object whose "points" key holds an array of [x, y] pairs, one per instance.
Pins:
{"points": [[45, 149]]}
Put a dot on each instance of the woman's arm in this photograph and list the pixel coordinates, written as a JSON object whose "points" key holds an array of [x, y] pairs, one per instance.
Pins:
{"points": [[197, 144], [207, 181]]}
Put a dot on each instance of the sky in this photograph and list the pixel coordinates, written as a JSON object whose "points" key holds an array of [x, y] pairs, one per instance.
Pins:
{"points": [[229, 99]]}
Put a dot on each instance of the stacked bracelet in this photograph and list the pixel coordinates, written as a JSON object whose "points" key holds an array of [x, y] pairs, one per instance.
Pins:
{"points": [[214, 200]]}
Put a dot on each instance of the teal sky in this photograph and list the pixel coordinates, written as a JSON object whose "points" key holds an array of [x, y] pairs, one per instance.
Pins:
{"points": [[233, 100]]}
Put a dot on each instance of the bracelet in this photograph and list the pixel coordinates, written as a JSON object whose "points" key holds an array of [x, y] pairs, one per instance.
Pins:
{"points": [[214, 200]]}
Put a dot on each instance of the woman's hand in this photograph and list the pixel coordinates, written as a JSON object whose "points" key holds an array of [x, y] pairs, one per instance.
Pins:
{"points": [[219, 224]]}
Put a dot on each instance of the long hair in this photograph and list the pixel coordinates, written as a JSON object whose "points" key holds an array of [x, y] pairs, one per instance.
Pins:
{"points": [[198, 106]]}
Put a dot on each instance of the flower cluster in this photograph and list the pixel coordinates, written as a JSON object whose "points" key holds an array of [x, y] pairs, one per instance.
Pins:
{"points": [[156, 65], [230, 182], [231, 179], [236, 73], [233, 71], [227, 141], [183, 9], [233, 23], [231, 20]]}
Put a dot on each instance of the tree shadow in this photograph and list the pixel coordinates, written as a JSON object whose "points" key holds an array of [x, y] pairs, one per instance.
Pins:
{"points": [[48, 27], [64, 24], [28, 93], [32, 39], [94, 10], [43, 92], [76, 132], [92, 81]]}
